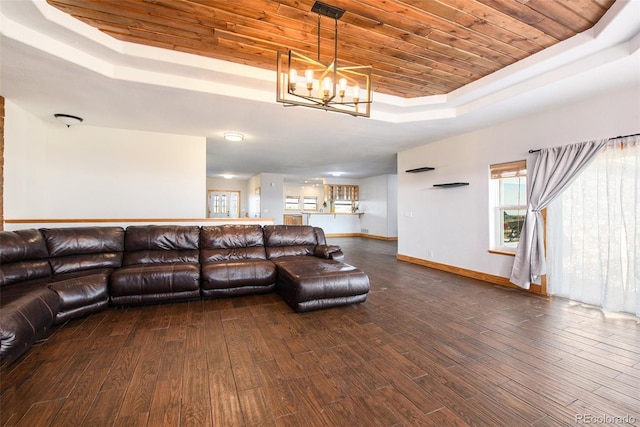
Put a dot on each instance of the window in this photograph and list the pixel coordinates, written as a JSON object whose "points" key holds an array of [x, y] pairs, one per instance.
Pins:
{"points": [[593, 230], [310, 203], [292, 203], [509, 201], [343, 206], [219, 203], [223, 203]]}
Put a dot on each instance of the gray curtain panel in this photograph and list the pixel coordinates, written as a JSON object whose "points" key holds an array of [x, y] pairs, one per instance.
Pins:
{"points": [[554, 170]]}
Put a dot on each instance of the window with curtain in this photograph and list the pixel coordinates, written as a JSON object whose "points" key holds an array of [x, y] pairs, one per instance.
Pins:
{"points": [[509, 200], [593, 232]]}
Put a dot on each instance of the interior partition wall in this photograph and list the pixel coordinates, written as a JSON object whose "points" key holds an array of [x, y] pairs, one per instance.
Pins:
{"points": [[1, 163]]}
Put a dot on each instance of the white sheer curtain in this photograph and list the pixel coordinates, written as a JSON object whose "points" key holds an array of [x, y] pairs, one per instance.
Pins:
{"points": [[593, 238]]}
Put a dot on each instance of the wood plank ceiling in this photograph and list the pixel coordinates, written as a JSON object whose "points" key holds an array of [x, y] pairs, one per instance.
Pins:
{"points": [[416, 47]]}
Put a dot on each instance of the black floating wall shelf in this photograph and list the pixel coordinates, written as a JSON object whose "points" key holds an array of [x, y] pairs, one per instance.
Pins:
{"points": [[416, 170], [451, 184]]}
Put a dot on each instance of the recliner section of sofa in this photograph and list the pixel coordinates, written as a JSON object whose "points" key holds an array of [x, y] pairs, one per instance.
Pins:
{"points": [[296, 240], [82, 260], [27, 307], [52, 275], [234, 261], [161, 263]]}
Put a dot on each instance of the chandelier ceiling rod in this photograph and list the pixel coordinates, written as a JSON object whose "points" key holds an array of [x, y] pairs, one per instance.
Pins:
{"points": [[323, 9], [319, 37]]}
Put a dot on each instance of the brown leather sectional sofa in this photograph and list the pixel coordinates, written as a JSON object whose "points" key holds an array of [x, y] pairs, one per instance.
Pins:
{"points": [[49, 276]]}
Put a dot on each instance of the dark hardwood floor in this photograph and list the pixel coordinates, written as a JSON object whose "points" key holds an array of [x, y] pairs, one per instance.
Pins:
{"points": [[427, 348]]}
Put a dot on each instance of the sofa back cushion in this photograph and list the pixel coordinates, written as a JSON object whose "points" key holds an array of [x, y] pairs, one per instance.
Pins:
{"points": [[151, 244], [289, 240], [231, 242], [320, 237], [23, 256], [84, 248]]}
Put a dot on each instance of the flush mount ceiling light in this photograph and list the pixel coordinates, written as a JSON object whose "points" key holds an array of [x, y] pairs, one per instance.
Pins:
{"points": [[343, 88], [68, 119], [233, 136]]}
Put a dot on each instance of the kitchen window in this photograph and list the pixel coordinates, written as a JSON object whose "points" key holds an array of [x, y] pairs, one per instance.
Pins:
{"points": [[310, 203], [292, 203]]}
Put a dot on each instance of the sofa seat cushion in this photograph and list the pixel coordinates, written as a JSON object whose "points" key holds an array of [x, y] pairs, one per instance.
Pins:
{"points": [[310, 283], [81, 293], [28, 311], [240, 277], [144, 283]]}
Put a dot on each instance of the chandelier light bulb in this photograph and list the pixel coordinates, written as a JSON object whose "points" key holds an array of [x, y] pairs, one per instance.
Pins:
{"points": [[293, 76], [309, 76], [326, 88], [343, 87]]}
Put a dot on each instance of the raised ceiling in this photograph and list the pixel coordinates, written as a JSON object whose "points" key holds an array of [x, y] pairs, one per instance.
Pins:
{"points": [[51, 62], [417, 47]]}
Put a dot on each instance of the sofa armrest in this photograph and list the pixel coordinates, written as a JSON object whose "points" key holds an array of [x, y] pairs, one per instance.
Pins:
{"points": [[329, 252]]}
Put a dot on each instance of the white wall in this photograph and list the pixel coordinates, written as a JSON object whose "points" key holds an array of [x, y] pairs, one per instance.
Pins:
{"points": [[335, 224], [392, 206], [378, 201], [52, 171], [272, 197], [254, 196], [451, 226]]}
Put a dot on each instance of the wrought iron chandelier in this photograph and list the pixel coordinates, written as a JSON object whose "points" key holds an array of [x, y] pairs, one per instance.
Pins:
{"points": [[333, 87]]}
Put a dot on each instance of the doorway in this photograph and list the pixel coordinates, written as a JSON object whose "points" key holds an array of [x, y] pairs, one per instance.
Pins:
{"points": [[223, 204]]}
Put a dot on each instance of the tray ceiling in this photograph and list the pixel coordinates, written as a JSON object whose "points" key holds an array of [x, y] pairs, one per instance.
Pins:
{"points": [[416, 47]]}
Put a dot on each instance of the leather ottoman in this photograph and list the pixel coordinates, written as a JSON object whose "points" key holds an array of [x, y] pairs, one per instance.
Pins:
{"points": [[309, 283]]}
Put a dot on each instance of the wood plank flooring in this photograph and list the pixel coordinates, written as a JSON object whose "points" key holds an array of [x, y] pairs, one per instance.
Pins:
{"points": [[427, 348]]}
